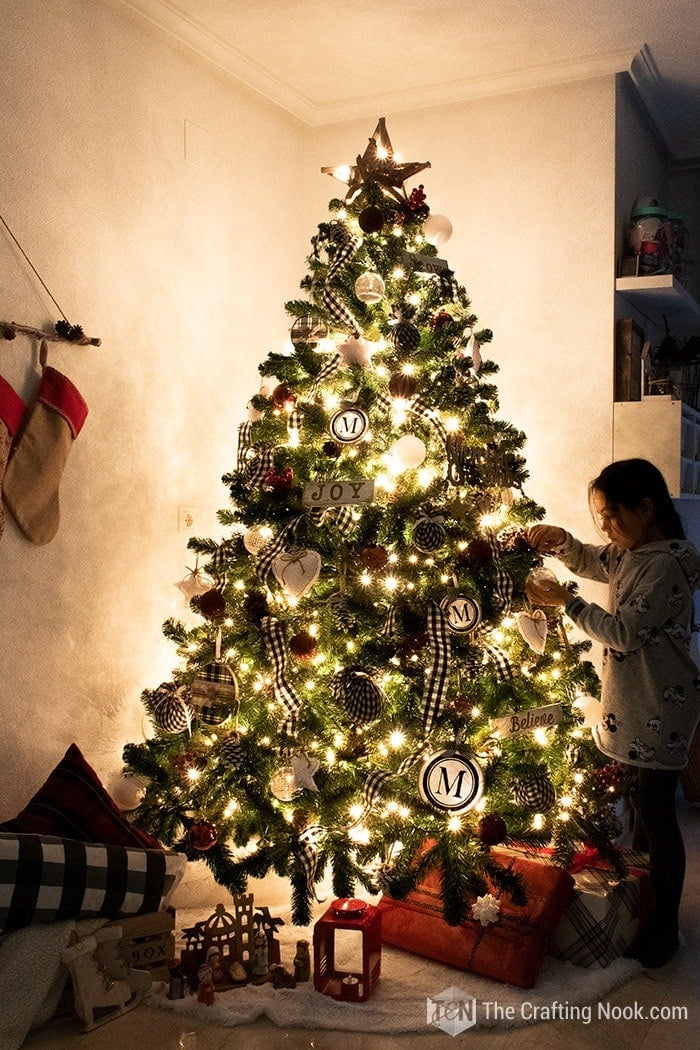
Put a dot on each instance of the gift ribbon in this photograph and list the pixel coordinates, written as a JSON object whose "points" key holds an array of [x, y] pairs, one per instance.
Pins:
{"points": [[277, 651]]}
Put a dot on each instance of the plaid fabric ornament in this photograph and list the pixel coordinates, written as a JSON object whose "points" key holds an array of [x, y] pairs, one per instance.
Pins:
{"points": [[214, 693], [359, 694], [309, 329], [172, 711], [429, 531], [535, 792]]}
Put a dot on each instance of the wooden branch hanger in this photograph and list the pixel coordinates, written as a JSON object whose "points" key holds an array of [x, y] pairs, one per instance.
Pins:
{"points": [[64, 331]]}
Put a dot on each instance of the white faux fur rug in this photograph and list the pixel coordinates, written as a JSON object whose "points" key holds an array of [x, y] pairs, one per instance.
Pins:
{"points": [[400, 1001]]}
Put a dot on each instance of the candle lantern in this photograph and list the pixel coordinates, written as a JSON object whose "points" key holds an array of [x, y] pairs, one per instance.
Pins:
{"points": [[332, 976]]}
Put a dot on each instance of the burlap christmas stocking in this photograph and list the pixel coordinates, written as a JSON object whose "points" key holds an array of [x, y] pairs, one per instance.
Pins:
{"points": [[35, 467], [11, 411]]}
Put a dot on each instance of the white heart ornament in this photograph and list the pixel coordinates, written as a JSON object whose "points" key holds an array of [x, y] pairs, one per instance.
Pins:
{"points": [[533, 628], [297, 573]]}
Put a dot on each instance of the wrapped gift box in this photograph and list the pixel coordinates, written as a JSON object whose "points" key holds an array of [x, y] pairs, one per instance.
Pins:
{"points": [[605, 914], [510, 950]]}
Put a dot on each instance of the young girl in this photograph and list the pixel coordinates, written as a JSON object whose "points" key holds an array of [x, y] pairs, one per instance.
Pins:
{"points": [[650, 683]]}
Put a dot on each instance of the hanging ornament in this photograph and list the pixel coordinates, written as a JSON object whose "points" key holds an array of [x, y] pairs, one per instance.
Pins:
{"points": [[463, 614], [203, 835], [377, 165], [331, 449], [356, 351], [359, 694], [536, 792], [304, 768], [589, 708], [171, 708], [303, 645], [374, 557], [231, 750], [371, 219], [416, 202], [402, 385], [486, 909], [491, 829], [437, 229], [214, 693], [429, 532], [309, 330], [283, 785], [533, 628], [451, 781], [349, 424], [539, 578], [194, 583], [255, 606], [297, 572], [369, 288], [404, 336], [407, 452], [128, 792], [477, 554], [338, 605], [256, 537], [440, 319], [280, 480], [211, 604], [284, 397]]}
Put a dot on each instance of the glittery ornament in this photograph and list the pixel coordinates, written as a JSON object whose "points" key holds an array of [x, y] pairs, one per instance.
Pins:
{"points": [[371, 219], [303, 646], [369, 288], [283, 396], [211, 604], [374, 557], [203, 835]]}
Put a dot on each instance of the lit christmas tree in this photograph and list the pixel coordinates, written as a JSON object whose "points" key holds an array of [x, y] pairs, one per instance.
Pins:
{"points": [[368, 676]]}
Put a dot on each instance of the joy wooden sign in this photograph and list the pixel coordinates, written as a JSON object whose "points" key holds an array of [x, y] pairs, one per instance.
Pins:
{"points": [[334, 493]]}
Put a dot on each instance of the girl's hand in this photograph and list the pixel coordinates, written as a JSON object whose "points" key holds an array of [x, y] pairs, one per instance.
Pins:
{"points": [[545, 538], [546, 592]]}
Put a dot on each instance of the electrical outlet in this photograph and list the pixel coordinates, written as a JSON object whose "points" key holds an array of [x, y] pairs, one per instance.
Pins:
{"points": [[185, 518]]}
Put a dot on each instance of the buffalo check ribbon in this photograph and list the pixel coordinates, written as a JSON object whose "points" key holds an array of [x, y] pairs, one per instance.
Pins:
{"points": [[504, 582], [275, 645], [439, 670], [309, 842]]}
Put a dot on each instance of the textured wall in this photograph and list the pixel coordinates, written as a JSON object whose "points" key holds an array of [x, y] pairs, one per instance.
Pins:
{"points": [[179, 265]]}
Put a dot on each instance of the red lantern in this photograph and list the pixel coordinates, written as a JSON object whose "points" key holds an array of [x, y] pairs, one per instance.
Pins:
{"points": [[354, 983]]}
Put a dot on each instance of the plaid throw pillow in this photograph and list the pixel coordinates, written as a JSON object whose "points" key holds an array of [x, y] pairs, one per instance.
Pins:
{"points": [[73, 804], [46, 879]]}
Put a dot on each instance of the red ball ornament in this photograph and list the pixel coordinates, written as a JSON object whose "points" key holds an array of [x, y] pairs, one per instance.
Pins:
{"points": [[283, 396], [203, 835], [279, 479], [439, 319], [371, 219], [303, 646], [478, 554], [374, 558], [211, 604], [461, 705], [188, 760], [491, 829]]}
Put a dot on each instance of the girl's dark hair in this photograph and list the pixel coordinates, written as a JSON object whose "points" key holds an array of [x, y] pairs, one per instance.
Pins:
{"points": [[627, 482]]}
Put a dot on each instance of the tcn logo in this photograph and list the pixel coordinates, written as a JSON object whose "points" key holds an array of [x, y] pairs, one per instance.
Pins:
{"points": [[453, 1011]]}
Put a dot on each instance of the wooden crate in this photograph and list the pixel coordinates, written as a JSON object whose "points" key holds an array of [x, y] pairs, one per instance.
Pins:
{"points": [[148, 941], [628, 360]]}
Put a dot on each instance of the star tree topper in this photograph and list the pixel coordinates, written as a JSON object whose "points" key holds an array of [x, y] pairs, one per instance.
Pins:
{"points": [[377, 164]]}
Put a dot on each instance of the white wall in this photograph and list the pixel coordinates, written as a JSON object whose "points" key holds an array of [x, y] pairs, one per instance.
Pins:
{"points": [[180, 269]]}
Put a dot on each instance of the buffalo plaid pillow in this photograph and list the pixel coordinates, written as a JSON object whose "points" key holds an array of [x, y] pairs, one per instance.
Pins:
{"points": [[73, 804], [46, 879]]}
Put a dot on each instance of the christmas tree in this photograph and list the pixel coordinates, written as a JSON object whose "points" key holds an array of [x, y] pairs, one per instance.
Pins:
{"points": [[368, 692]]}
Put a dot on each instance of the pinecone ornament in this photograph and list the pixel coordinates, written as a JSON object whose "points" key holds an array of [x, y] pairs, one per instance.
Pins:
{"points": [[231, 750]]}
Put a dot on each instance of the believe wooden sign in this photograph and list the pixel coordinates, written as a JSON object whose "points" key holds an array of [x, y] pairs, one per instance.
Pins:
{"points": [[525, 721], [338, 493]]}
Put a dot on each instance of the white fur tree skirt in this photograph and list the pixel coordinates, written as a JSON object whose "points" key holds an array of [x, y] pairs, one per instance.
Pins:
{"points": [[400, 1001]]}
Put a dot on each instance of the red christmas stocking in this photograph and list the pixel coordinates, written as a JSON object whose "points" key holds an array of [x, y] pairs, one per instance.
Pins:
{"points": [[35, 467], [11, 411]]}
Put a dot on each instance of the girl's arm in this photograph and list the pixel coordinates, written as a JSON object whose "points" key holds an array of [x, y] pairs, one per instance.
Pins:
{"points": [[659, 588], [582, 558]]}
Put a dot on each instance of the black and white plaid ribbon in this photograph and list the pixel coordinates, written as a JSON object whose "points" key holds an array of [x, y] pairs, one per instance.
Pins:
{"points": [[389, 628], [294, 423], [421, 408], [342, 516], [504, 582], [503, 666], [438, 673], [309, 841], [259, 460], [329, 369], [377, 778], [277, 651], [263, 565], [245, 431], [332, 302], [217, 566]]}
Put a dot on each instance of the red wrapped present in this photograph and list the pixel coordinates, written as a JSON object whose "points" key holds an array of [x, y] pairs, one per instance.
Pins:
{"points": [[508, 943]]}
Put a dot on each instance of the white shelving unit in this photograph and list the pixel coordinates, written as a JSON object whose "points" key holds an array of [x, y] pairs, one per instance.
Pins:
{"points": [[665, 431], [661, 294]]}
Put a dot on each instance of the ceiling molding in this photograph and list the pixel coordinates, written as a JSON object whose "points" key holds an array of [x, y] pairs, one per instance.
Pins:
{"points": [[253, 75]]}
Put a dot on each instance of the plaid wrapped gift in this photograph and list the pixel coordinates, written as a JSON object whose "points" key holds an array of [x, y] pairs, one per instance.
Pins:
{"points": [[604, 917], [511, 949]]}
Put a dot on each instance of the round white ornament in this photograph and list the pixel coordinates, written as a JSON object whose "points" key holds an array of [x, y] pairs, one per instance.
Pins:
{"points": [[451, 781], [369, 288], [283, 784], [408, 452], [437, 229], [349, 424], [255, 538]]}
